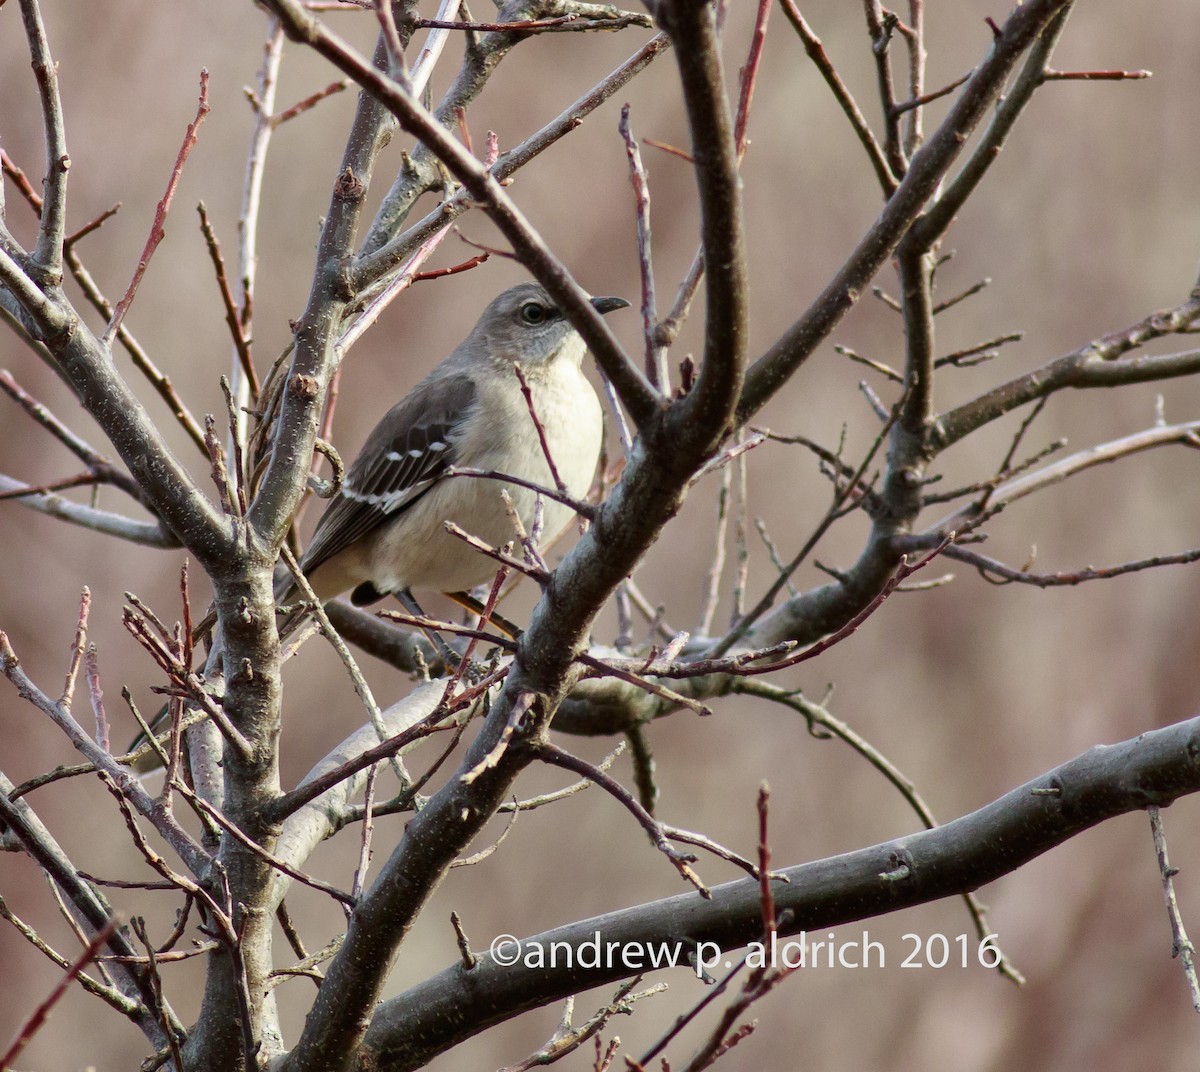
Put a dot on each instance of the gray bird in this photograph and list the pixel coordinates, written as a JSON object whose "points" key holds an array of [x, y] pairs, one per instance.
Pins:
{"points": [[385, 530]]}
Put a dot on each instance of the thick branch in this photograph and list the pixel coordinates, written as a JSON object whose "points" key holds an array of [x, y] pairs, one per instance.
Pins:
{"points": [[710, 403], [1154, 768], [1101, 363]]}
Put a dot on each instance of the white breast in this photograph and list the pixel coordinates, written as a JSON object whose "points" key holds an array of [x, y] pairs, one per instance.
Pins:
{"points": [[505, 439]]}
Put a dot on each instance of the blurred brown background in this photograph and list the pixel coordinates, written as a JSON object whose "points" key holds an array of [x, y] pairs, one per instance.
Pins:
{"points": [[1088, 222]]}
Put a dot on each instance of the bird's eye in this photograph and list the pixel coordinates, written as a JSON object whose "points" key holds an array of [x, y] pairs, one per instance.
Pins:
{"points": [[535, 313]]}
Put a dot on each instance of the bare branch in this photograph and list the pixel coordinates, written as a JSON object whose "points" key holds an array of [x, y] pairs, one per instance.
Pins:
{"points": [[157, 231], [920, 183], [1181, 945], [47, 256]]}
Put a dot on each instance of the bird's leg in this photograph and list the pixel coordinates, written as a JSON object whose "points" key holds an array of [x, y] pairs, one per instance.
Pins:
{"points": [[468, 601], [409, 602]]}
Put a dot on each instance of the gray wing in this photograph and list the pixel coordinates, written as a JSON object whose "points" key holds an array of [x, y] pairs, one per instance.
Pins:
{"points": [[406, 454]]}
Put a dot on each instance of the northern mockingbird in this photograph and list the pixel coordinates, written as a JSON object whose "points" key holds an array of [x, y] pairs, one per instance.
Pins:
{"points": [[385, 531]]}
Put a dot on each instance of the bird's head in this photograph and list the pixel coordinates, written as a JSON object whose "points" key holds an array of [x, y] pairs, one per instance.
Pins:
{"points": [[524, 324]]}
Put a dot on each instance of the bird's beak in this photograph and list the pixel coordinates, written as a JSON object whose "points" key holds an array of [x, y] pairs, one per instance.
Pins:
{"points": [[607, 305]]}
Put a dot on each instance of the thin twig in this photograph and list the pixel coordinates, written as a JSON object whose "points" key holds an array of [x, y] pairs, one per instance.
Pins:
{"points": [[38, 1017], [682, 861], [1181, 945], [157, 230]]}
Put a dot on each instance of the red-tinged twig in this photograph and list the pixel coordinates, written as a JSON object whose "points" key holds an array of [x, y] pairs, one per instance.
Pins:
{"points": [[309, 102], [393, 46], [218, 913], [185, 680], [541, 429], [603, 668], [462, 266], [929, 98], [673, 150], [1000, 574], [980, 351], [21, 181], [717, 988], [1050, 75], [91, 225], [496, 554], [248, 842], [305, 793], [484, 620], [160, 214], [903, 571], [583, 509], [232, 316], [765, 896], [493, 150], [79, 480], [187, 848], [656, 355], [148, 613], [78, 646], [748, 75], [39, 1015], [464, 130], [851, 485], [970, 292], [690, 837], [420, 621], [681, 861]]}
